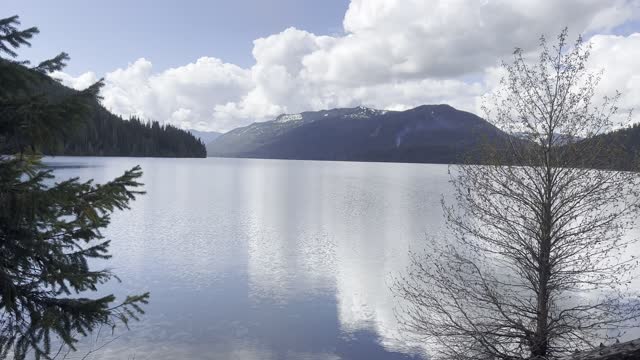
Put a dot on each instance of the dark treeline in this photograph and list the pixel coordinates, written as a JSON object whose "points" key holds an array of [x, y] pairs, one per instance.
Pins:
{"points": [[624, 149], [615, 150], [107, 135], [101, 133]]}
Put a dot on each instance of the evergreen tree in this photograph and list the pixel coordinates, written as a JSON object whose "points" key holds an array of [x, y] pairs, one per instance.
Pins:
{"points": [[49, 231]]}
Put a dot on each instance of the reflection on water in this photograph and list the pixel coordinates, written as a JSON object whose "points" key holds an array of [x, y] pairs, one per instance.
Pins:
{"points": [[266, 259]]}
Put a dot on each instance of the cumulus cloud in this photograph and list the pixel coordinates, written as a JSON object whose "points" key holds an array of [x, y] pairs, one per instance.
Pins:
{"points": [[394, 54], [185, 96], [79, 83], [617, 57], [397, 39]]}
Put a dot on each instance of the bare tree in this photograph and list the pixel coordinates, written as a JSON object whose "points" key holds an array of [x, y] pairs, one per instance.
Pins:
{"points": [[535, 265]]}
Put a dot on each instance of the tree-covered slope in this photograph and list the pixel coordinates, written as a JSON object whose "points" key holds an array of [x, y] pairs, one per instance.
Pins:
{"points": [[104, 134], [101, 133], [622, 149]]}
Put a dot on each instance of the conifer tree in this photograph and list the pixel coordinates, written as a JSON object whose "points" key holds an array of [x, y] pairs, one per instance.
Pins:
{"points": [[50, 231]]}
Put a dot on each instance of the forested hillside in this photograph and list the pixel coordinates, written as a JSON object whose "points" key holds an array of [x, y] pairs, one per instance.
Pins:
{"points": [[105, 134], [101, 133], [623, 149]]}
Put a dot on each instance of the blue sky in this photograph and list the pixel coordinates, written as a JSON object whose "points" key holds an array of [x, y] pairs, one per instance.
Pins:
{"points": [[104, 35], [218, 65]]}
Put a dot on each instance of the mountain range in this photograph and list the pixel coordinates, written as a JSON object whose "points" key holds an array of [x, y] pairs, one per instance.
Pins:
{"points": [[425, 134], [205, 136]]}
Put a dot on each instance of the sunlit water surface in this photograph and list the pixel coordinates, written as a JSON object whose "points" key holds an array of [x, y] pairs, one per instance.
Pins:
{"points": [[265, 259]]}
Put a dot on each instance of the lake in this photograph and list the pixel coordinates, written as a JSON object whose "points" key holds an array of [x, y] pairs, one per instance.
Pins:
{"points": [[265, 259]]}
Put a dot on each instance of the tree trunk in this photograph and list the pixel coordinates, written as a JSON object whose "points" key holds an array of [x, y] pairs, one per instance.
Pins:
{"points": [[540, 344]]}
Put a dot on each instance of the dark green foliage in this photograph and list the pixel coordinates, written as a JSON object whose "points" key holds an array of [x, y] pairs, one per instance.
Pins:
{"points": [[93, 131], [107, 135], [47, 236], [31, 120], [623, 149], [100, 133], [12, 38], [51, 65], [49, 231], [63, 121]]}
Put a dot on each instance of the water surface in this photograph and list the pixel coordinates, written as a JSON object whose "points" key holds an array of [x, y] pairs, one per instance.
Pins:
{"points": [[266, 259]]}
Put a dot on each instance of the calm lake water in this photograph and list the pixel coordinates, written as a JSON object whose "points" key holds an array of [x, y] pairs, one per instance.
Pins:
{"points": [[266, 259]]}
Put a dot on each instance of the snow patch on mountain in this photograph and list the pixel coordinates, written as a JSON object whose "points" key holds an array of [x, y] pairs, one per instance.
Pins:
{"points": [[365, 113], [288, 117]]}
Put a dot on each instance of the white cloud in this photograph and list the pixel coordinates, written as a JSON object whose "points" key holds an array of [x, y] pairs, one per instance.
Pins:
{"points": [[81, 82], [617, 57], [397, 39], [394, 54], [185, 96]]}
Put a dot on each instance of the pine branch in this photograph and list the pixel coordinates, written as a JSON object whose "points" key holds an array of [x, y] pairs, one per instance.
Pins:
{"points": [[55, 64], [11, 38]]}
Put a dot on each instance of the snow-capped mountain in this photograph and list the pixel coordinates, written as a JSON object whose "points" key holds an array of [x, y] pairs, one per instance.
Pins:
{"points": [[429, 133]]}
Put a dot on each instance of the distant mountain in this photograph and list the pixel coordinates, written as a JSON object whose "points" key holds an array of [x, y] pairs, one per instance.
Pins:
{"points": [[426, 134], [205, 136]]}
